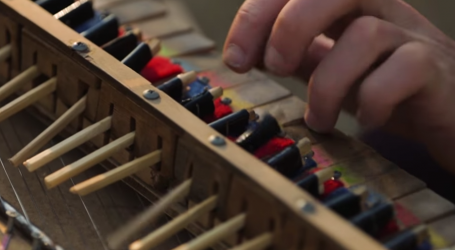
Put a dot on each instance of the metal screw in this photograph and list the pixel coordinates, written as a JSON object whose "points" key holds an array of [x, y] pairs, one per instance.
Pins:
{"points": [[80, 47], [217, 140], [150, 94], [337, 175], [226, 101], [205, 80], [306, 206]]}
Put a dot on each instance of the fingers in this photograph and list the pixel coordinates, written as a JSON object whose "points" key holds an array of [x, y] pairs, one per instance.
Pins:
{"points": [[401, 77], [317, 51], [356, 51], [249, 32], [297, 25]]}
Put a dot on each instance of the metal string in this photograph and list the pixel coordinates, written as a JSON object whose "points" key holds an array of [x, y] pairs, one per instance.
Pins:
{"points": [[88, 213], [11, 183], [23, 178]]}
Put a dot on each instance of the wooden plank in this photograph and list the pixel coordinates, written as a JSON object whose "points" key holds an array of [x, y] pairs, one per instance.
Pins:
{"points": [[226, 78], [253, 94], [426, 205], [163, 26], [185, 44], [200, 62], [285, 111], [133, 11], [363, 169], [443, 233], [396, 184]]}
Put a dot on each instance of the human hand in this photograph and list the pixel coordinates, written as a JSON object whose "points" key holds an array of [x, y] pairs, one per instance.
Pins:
{"points": [[383, 56]]}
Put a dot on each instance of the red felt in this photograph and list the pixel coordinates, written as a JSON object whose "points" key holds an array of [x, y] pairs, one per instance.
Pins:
{"points": [[160, 68], [330, 186], [274, 146], [121, 32], [389, 230], [406, 217], [221, 110]]}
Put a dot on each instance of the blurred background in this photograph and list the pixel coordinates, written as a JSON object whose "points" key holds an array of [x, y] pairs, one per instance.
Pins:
{"points": [[214, 17]]}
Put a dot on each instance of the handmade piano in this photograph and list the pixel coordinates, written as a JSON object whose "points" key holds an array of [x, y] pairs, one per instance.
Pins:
{"points": [[120, 128]]}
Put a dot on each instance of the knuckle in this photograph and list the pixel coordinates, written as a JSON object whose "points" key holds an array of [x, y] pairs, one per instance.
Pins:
{"points": [[248, 14], [287, 24], [421, 55], [366, 29]]}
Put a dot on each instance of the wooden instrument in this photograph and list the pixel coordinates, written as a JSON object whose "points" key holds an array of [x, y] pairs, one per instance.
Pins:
{"points": [[94, 155]]}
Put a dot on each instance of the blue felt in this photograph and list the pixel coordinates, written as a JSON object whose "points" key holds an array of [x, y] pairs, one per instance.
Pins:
{"points": [[425, 246], [196, 88], [90, 23]]}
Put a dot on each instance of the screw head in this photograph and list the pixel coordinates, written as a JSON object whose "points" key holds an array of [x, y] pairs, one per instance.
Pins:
{"points": [[217, 140], [151, 95], [80, 47], [226, 101], [205, 80], [305, 206]]}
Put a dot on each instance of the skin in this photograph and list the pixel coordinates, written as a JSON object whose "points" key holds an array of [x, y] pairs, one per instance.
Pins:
{"points": [[379, 59]]}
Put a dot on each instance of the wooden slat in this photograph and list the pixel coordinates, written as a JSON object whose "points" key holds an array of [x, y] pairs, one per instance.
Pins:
{"points": [[132, 11], [443, 233], [226, 78], [163, 26], [285, 111], [185, 44], [200, 62], [250, 95], [426, 205], [396, 184]]}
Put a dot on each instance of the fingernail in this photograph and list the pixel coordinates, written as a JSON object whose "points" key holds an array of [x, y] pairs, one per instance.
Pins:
{"points": [[274, 60], [234, 56], [312, 121]]}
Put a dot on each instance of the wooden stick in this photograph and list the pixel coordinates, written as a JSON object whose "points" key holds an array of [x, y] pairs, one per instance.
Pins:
{"points": [[149, 216], [5, 52], [71, 143], [213, 236], [216, 92], [155, 46], [304, 146], [88, 161], [17, 82], [174, 226], [259, 243], [50, 132], [27, 99], [116, 174]]}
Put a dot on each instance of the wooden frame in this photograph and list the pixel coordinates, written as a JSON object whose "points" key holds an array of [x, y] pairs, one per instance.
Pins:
{"points": [[243, 183]]}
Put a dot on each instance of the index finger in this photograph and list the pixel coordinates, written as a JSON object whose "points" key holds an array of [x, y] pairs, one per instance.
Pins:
{"points": [[249, 33]]}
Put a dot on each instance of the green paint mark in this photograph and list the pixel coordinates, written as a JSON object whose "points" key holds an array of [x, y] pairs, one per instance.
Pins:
{"points": [[347, 176], [166, 52]]}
